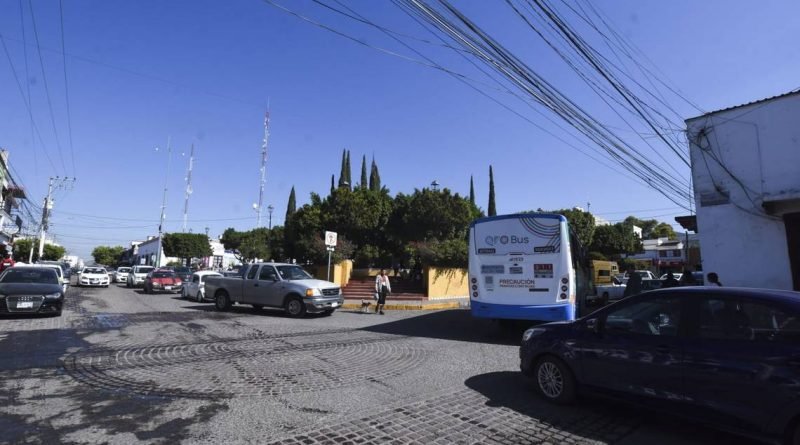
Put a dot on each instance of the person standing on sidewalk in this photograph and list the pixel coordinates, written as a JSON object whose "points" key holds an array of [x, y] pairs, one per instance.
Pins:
{"points": [[383, 288]]}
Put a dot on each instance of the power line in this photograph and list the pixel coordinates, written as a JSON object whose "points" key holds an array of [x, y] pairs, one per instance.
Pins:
{"points": [[66, 85], [28, 85], [46, 87]]}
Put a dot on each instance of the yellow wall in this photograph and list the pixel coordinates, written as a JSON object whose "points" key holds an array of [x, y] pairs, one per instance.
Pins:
{"points": [[446, 283], [340, 273]]}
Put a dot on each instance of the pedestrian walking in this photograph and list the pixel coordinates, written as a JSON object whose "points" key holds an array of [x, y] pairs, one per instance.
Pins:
{"points": [[670, 281], [713, 278], [383, 287], [634, 284]]}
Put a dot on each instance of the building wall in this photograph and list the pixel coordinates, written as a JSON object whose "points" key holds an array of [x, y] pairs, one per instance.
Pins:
{"points": [[446, 283], [742, 158]]}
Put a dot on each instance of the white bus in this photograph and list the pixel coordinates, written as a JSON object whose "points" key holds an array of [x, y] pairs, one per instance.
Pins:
{"points": [[526, 266]]}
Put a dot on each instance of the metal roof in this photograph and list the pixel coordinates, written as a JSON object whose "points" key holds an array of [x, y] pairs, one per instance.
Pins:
{"points": [[766, 99]]}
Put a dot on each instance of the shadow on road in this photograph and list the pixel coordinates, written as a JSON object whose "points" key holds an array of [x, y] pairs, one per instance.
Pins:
{"points": [[455, 324]]}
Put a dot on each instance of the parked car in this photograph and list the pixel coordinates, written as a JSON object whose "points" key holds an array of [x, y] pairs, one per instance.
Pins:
{"points": [[184, 273], [59, 272], [121, 275], [137, 275], [725, 356], [33, 290], [275, 285], [677, 276], [93, 276], [162, 280], [195, 286]]}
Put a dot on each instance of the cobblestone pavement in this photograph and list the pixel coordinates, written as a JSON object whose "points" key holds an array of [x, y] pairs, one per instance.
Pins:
{"points": [[123, 367]]}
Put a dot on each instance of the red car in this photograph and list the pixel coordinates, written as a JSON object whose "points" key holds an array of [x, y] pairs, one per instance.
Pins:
{"points": [[162, 280]]}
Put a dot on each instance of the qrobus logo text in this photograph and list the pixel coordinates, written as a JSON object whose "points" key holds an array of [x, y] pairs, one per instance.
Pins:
{"points": [[506, 239]]}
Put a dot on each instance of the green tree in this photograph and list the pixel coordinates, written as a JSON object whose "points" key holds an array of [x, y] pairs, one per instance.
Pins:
{"points": [[374, 177], [492, 209], [471, 190], [250, 245], [429, 215], [22, 248], [348, 172], [186, 245], [343, 171], [291, 207], [332, 187], [52, 252], [582, 223], [651, 228], [364, 184], [614, 240], [107, 255]]}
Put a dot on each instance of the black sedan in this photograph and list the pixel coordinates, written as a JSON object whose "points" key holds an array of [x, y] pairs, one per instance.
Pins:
{"points": [[31, 290], [724, 356]]}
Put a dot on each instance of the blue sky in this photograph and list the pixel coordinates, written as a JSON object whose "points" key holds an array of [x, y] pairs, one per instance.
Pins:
{"points": [[202, 72]]}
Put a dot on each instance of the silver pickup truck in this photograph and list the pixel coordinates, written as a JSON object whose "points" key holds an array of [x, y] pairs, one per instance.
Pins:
{"points": [[275, 285]]}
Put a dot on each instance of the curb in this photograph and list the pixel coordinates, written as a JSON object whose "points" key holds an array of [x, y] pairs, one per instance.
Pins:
{"points": [[415, 307]]}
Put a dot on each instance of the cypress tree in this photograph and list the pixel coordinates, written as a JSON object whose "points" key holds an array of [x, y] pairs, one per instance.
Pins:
{"points": [[343, 171], [332, 188], [471, 190], [347, 170], [363, 185], [492, 208], [291, 207], [374, 177]]}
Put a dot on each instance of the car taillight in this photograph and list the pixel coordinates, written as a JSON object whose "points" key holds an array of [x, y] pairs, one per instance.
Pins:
{"points": [[177, 281]]}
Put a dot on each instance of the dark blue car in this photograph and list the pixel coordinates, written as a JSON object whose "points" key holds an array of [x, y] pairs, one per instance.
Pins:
{"points": [[725, 356]]}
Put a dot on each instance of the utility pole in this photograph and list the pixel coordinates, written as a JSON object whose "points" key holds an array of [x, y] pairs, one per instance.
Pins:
{"points": [[188, 190], [164, 202], [263, 167], [54, 183]]}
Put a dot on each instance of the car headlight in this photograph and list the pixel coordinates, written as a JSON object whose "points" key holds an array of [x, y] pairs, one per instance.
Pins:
{"points": [[532, 332], [54, 296], [313, 293], [2, 296]]}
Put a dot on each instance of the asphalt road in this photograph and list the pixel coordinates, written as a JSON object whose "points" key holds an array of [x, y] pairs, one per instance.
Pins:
{"points": [[123, 367]]}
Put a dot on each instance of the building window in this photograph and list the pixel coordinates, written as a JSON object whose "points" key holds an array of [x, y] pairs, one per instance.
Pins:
{"points": [[662, 253], [677, 253]]}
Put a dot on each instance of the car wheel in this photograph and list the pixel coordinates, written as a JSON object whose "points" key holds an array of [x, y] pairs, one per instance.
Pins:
{"points": [[294, 307], [222, 301], [183, 293], [258, 307], [199, 297], [554, 380]]}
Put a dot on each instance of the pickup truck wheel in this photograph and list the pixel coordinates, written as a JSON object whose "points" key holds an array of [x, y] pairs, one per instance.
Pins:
{"points": [[294, 307], [222, 301]]}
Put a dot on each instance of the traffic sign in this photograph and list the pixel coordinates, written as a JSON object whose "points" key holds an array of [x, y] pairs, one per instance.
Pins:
{"points": [[330, 239]]}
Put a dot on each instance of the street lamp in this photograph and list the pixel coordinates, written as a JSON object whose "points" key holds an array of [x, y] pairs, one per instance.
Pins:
{"points": [[270, 209], [435, 185]]}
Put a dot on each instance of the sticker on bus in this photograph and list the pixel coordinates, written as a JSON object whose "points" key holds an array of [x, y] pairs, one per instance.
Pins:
{"points": [[516, 270], [489, 282], [542, 271], [493, 269]]}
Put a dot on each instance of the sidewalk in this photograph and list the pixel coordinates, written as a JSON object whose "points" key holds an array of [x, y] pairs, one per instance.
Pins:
{"points": [[412, 305]]}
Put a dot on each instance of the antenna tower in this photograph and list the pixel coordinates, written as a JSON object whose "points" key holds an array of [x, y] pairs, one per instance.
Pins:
{"points": [[188, 190], [263, 167]]}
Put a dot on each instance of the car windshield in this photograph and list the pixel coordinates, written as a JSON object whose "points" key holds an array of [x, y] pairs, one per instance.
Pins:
{"points": [[143, 269], [183, 270], [163, 275], [44, 276], [293, 273], [94, 270], [124, 269]]}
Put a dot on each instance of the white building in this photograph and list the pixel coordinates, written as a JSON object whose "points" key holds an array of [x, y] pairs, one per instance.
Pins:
{"points": [[664, 255], [147, 253], [10, 196], [746, 175]]}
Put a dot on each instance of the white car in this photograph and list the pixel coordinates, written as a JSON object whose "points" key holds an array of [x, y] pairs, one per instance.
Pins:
{"points": [[121, 275], [677, 276], [59, 272], [137, 275], [195, 288], [93, 276]]}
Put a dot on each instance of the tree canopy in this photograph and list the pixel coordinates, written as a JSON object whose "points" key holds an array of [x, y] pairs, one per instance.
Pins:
{"points": [[107, 255], [186, 245]]}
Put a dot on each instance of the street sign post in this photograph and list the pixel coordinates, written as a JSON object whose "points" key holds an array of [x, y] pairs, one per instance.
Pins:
{"points": [[330, 244]]}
